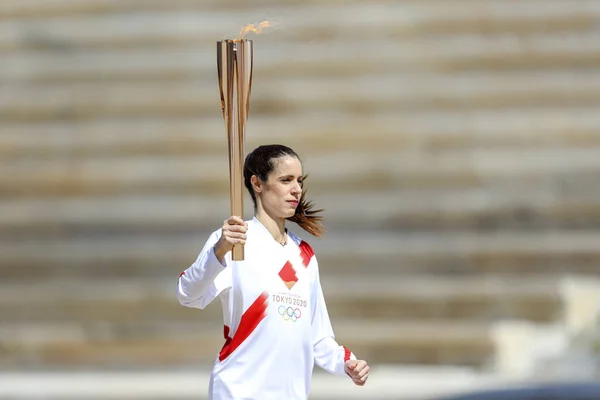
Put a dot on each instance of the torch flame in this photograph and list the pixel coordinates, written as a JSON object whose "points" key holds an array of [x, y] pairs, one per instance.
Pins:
{"points": [[250, 28]]}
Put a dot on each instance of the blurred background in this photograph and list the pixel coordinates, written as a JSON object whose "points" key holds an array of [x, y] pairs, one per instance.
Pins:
{"points": [[455, 146]]}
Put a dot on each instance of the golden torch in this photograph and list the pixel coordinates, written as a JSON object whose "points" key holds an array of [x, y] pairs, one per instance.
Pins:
{"points": [[234, 67]]}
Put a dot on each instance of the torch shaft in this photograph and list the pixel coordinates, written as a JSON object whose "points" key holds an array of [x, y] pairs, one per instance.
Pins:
{"points": [[234, 66]]}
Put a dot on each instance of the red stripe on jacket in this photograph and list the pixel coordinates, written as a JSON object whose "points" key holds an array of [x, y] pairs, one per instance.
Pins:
{"points": [[347, 354], [306, 252], [248, 323]]}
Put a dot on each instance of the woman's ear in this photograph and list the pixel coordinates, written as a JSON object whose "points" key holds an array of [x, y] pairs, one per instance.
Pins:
{"points": [[256, 184]]}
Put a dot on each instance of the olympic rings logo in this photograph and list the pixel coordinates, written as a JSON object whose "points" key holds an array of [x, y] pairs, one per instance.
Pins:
{"points": [[289, 313]]}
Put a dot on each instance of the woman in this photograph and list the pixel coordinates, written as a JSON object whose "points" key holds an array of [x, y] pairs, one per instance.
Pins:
{"points": [[276, 321]]}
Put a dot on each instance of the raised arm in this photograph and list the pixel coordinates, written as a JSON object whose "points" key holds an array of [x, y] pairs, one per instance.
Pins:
{"points": [[208, 276]]}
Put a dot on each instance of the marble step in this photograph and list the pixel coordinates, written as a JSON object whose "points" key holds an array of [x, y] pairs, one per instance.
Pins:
{"points": [[449, 54], [308, 133], [69, 24], [359, 94], [192, 384], [138, 301], [380, 253], [39, 345], [356, 169], [523, 206]]}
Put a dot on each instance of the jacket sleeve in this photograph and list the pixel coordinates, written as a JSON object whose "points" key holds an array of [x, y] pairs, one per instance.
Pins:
{"points": [[205, 279], [328, 354]]}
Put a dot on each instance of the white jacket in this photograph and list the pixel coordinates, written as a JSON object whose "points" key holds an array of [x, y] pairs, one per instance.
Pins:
{"points": [[275, 319]]}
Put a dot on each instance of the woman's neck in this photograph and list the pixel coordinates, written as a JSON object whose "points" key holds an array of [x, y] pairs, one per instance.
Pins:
{"points": [[275, 226]]}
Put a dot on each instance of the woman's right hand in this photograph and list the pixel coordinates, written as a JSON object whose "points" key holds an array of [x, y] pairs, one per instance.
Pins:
{"points": [[233, 232]]}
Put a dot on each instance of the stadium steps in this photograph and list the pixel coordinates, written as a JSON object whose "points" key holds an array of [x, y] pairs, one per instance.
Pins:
{"points": [[311, 133], [342, 252], [111, 24], [367, 94], [111, 21], [349, 171], [473, 124], [136, 301], [526, 206], [160, 344], [449, 54], [417, 37]]}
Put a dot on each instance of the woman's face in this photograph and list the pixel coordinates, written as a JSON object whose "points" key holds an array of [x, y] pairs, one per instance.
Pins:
{"points": [[281, 193]]}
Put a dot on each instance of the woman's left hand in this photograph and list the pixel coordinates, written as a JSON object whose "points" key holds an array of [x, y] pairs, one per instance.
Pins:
{"points": [[358, 371]]}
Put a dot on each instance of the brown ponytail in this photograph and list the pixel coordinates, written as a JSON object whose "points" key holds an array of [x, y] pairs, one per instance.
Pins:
{"points": [[306, 217]]}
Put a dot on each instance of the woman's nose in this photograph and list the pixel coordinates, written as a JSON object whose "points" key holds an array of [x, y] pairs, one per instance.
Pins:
{"points": [[297, 188]]}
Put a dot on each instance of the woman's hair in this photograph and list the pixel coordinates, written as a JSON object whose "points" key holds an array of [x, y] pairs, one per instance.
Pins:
{"points": [[261, 162]]}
